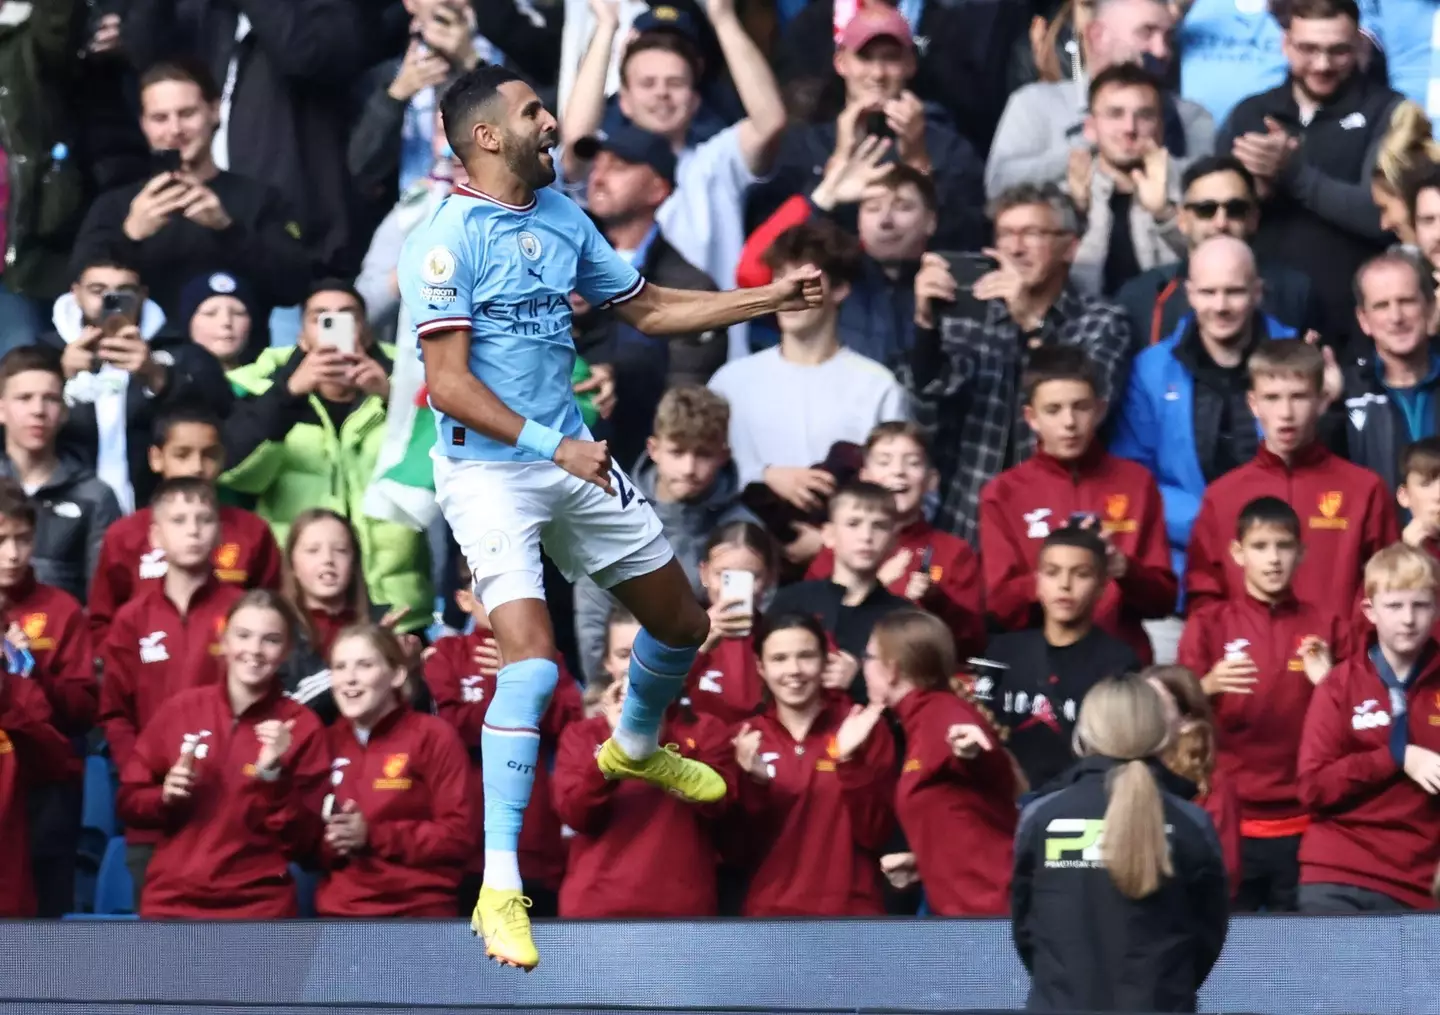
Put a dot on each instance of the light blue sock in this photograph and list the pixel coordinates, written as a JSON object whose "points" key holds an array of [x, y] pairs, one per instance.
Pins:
{"points": [[510, 745], [657, 675]]}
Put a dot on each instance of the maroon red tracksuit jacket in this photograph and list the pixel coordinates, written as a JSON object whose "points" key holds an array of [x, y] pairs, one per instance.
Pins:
{"points": [[246, 556], [32, 752], [411, 781], [959, 816], [638, 851], [1346, 515], [814, 833], [725, 682], [1258, 734], [223, 853], [462, 694], [1024, 504], [1371, 825], [152, 653], [54, 624]]}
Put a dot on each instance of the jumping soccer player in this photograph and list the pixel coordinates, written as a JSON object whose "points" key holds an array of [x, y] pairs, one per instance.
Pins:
{"points": [[487, 280]]}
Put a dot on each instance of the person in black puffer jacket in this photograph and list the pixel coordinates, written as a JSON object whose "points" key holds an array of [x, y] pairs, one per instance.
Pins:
{"points": [[1119, 898]]}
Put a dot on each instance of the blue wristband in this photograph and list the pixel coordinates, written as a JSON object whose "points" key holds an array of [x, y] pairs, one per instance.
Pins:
{"points": [[539, 440]]}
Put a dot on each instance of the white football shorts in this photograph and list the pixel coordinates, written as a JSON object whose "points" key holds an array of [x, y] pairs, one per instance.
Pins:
{"points": [[502, 513]]}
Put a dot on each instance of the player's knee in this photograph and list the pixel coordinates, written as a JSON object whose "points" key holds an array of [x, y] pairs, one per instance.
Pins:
{"points": [[522, 693]]}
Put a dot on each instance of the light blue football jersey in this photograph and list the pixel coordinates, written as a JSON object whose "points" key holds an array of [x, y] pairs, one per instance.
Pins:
{"points": [[507, 273]]}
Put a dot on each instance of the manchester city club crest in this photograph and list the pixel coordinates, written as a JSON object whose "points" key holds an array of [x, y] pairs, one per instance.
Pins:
{"points": [[530, 245]]}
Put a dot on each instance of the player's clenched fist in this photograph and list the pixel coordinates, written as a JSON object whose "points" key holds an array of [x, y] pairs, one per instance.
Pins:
{"points": [[590, 460], [799, 288]]}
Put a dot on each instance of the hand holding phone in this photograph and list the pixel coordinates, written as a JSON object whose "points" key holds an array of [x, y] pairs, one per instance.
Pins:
{"points": [[739, 587], [338, 331]]}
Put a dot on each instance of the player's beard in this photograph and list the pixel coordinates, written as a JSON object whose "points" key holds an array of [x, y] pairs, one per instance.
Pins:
{"points": [[522, 157]]}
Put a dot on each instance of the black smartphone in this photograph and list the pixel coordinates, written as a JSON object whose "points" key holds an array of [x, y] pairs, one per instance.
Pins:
{"points": [[875, 125], [166, 160], [118, 307], [967, 268]]}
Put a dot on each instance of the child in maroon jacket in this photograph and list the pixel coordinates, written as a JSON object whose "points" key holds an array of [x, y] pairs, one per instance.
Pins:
{"points": [[725, 680], [1369, 765], [168, 638], [817, 785], [186, 444], [32, 753], [49, 623], [400, 821], [1071, 478], [958, 787], [1190, 754], [460, 671], [1261, 653], [231, 776], [1345, 511], [935, 570], [636, 850], [1419, 495]]}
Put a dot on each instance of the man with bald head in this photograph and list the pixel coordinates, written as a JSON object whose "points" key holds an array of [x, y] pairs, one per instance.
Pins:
{"points": [[1185, 415], [1042, 131], [1391, 397]]}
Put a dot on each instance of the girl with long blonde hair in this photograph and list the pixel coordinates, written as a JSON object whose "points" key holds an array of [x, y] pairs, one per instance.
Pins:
{"points": [[1120, 898]]}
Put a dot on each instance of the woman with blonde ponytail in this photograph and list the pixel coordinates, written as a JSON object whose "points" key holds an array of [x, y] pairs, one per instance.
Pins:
{"points": [[1408, 147], [1119, 897]]}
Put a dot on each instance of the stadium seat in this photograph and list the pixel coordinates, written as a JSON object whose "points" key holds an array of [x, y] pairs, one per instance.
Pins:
{"points": [[305, 884], [98, 812], [114, 890]]}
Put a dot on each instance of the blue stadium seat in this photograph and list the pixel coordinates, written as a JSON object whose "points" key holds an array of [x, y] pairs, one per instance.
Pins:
{"points": [[114, 890], [98, 812], [305, 883]]}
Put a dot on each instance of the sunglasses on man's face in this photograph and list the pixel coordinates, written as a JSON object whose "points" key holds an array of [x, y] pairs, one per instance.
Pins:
{"points": [[1236, 209]]}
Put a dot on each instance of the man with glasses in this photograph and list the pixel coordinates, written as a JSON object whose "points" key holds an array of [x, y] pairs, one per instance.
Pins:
{"points": [[1311, 146], [964, 370], [1218, 198]]}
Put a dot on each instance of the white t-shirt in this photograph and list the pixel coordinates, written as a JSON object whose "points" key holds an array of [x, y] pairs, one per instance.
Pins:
{"points": [[789, 414], [704, 218]]}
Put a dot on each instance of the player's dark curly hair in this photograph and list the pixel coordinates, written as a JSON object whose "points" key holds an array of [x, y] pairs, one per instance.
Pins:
{"points": [[466, 97], [821, 243]]}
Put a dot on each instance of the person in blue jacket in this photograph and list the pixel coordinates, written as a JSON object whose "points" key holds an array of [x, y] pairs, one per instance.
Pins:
{"points": [[1185, 416]]}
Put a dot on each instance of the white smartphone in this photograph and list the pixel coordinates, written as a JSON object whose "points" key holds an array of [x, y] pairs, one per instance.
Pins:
{"points": [[338, 330], [739, 585]]}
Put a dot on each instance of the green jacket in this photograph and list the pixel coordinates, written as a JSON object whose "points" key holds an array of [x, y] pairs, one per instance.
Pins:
{"points": [[47, 188], [291, 458]]}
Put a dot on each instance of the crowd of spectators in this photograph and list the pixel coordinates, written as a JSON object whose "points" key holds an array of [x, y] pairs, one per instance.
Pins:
{"points": [[1124, 364]]}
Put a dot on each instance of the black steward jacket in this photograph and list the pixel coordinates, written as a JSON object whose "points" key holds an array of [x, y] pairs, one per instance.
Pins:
{"points": [[1089, 948]]}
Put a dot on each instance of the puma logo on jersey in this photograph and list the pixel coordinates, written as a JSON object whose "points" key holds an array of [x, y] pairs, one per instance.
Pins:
{"points": [[472, 689], [1236, 649], [152, 648]]}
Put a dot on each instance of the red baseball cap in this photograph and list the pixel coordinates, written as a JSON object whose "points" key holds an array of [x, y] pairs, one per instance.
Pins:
{"points": [[875, 21]]}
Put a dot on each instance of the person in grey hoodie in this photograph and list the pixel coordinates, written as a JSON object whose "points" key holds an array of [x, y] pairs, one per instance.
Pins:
{"points": [[687, 476], [1043, 127], [73, 508]]}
